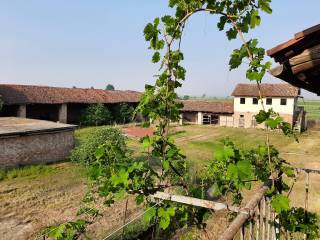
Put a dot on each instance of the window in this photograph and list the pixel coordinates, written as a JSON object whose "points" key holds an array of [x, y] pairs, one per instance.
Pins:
{"points": [[255, 101], [269, 101], [283, 101], [242, 100]]}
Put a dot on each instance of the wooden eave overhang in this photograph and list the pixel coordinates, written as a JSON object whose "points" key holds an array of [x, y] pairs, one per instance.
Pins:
{"points": [[299, 60]]}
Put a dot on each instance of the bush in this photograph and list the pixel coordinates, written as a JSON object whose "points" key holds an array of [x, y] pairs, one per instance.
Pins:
{"points": [[96, 115], [85, 152], [124, 113]]}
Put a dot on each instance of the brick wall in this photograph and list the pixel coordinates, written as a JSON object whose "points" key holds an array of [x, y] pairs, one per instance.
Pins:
{"points": [[34, 149]]}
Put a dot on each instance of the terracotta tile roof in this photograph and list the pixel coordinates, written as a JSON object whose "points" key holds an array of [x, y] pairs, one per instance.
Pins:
{"points": [[307, 37], [299, 60], [208, 106], [267, 90], [25, 94]]}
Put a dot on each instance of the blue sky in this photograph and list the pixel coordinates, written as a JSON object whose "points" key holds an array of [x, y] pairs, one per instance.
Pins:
{"points": [[92, 43]]}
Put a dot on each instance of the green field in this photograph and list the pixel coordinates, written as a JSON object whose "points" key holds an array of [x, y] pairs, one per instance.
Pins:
{"points": [[312, 107], [34, 197]]}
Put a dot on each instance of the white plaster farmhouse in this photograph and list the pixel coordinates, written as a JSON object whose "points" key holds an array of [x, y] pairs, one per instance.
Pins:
{"points": [[241, 112], [282, 98]]}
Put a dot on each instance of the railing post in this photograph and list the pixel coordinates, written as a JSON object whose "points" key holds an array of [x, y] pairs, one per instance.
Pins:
{"points": [[264, 219], [268, 219], [258, 221], [244, 215]]}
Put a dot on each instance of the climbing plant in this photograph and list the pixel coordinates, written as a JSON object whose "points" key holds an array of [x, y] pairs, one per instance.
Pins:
{"points": [[117, 174]]}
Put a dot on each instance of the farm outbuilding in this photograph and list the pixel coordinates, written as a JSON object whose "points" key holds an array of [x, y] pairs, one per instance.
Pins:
{"points": [[28, 141], [207, 112], [58, 104]]}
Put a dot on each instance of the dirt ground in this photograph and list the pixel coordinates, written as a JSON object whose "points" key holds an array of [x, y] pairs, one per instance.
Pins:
{"points": [[27, 204], [138, 132]]}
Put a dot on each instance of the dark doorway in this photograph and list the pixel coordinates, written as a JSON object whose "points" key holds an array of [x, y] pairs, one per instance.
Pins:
{"points": [[9, 111], [48, 112]]}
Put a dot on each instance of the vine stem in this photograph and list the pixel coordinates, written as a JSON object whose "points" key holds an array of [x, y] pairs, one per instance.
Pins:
{"points": [[259, 90]]}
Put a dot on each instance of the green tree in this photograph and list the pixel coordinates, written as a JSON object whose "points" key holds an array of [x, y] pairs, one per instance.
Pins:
{"points": [[95, 115], [124, 113], [86, 152], [110, 87]]}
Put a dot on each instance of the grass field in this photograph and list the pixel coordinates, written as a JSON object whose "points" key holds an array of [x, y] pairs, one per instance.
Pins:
{"points": [[37, 196], [312, 107]]}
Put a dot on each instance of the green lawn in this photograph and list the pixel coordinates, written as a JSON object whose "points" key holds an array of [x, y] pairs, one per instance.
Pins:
{"points": [[312, 107]]}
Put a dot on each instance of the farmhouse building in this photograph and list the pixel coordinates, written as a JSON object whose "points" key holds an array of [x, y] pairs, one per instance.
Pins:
{"points": [[28, 141], [241, 112], [58, 104], [282, 98]]}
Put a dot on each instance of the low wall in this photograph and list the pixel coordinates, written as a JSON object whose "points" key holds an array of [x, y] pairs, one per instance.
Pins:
{"points": [[226, 121], [44, 147]]}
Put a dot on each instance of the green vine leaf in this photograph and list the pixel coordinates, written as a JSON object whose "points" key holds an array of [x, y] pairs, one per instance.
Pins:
{"points": [[149, 215], [280, 203], [165, 216]]}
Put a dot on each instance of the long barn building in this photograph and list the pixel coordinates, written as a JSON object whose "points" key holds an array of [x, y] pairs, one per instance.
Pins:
{"points": [[65, 105], [58, 104]]}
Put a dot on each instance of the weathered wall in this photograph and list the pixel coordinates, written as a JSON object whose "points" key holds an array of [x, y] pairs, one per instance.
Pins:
{"points": [[250, 122], [34, 149], [226, 120]]}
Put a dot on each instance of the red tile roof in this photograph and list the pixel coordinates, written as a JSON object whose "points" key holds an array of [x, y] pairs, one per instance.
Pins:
{"points": [[208, 106], [267, 90], [307, 37], [26, 94]]}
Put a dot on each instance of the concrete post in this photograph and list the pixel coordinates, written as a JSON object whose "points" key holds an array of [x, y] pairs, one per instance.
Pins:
{"points": [[22, 111], [63, 113], [199, 118], [181, 119]]}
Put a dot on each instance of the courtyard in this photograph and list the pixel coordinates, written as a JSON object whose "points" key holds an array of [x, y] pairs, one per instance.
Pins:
{"points": [[34, 197]]}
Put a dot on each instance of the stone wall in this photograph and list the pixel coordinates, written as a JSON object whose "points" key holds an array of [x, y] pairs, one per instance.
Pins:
{"points": [[34, 149]]}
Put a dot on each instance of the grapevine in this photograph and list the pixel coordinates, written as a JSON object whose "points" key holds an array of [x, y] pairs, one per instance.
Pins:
{"points": [[117, 174]]}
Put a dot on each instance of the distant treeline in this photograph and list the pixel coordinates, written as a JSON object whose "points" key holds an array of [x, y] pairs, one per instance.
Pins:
{"points": [[204, 97]]}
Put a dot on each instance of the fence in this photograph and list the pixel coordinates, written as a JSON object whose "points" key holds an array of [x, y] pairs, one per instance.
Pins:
{"points": [[259, 217], [256, 220]]}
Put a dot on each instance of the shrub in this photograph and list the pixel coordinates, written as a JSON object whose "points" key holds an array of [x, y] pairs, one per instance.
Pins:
{"points": [[96, 115], [124, 113], [85, 152]]}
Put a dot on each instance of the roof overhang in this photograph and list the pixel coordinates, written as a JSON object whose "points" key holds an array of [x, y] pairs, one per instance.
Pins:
{"points": [[299, 60]]}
